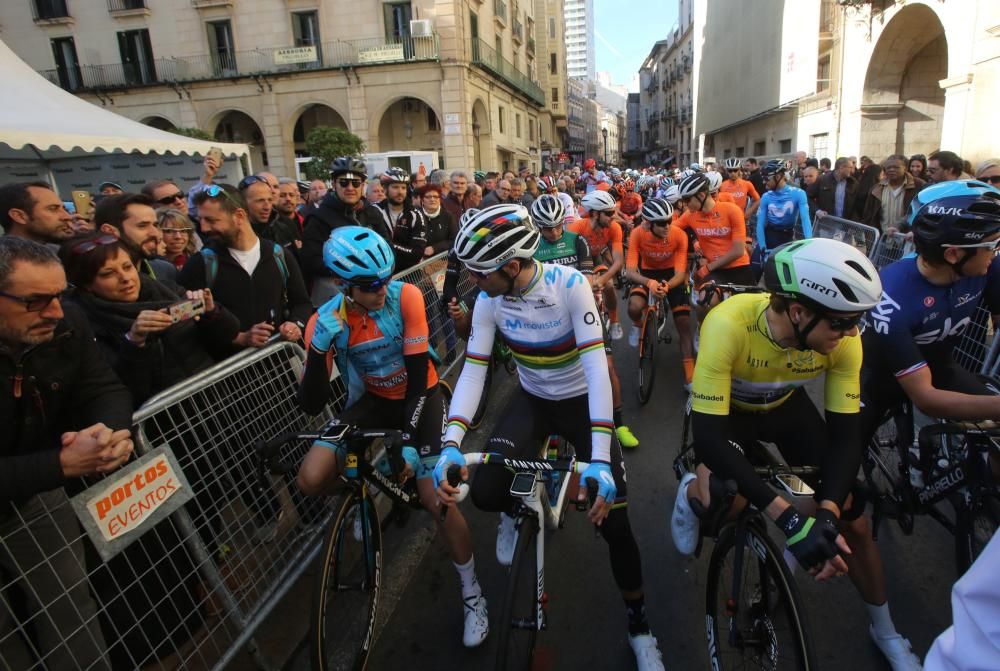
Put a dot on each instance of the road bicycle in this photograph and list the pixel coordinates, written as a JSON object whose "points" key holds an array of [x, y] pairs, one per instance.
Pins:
{"points": [[950, 461], [501, 356], [346, 594], [541, 488], [753, 610], [653, 330]]}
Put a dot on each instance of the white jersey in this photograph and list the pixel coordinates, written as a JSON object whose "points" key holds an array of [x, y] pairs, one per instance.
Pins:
{"points": [[554, 332]]}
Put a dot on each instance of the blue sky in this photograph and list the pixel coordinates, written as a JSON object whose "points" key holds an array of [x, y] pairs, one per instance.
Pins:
{"points": [[625, 31]]}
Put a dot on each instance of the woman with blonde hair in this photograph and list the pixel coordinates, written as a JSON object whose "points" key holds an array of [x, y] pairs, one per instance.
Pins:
{"points": [[178, 236]]}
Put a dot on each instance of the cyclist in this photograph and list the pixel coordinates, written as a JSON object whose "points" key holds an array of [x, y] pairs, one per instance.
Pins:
{"points": [[780, 208], [756, 354], [742, 191], [657, 264], [377, 329], [547, 316], [603, 233], [566, 248]]}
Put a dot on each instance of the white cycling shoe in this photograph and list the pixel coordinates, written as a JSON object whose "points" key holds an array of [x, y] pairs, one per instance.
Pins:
{"points": [[477, 621], [506, 539], [647, 654], [683, 522], [897, 651]]}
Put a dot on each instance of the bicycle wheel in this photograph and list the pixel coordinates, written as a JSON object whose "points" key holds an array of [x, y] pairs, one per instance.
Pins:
{"points": [[975, 526], [519, 616], [769, 631], [647, 353], [484, 400], [345, 603]]}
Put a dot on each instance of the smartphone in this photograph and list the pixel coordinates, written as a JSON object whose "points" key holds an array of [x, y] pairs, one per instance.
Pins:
{"points": [[794, 485], [216, 155], [84, 203], [185, 310], [523, 484], [70, 206]]}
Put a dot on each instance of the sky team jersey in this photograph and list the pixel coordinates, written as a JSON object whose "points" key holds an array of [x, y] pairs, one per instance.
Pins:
{"points": [[917, 323], [717, 231], [739, 363], [741, 191], [553, 330], [781, 208], [599, 238], [648, 252], [378, 359]]}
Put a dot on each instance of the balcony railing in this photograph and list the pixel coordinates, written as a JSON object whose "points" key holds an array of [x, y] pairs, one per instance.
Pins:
{"points": [[116, 6], [49, 10], [488, 59], [273, 60]]}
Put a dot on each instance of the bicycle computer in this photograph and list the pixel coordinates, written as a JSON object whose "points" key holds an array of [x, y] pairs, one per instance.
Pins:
{"points": [[523, 484]]}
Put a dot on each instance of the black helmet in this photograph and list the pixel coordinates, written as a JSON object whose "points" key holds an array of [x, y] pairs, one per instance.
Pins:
{"points": [[348, 165], [395, 176], [957, 220], [771, 168]]}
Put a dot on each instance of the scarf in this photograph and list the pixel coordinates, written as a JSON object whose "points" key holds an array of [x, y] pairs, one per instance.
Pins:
{"points": [[117, 316]]}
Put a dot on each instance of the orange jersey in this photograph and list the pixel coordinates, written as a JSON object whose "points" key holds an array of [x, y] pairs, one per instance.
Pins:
{"points": [[717, 231], [379, 359], [740, 190], [648, 252], [599, 238]]}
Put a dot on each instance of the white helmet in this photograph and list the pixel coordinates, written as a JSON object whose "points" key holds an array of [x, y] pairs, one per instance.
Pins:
{"points": [[548, 211], [494, 235], [600, 201], [672, 194], [733, 163], [657, 209], [825, 275], [714, 181]]}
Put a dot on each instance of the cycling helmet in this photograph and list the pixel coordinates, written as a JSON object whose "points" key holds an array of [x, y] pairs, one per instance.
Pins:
{"points": [[951, 189], [478, 176], [468, 214], [348, 165], [714, 181], [733, 163], [667, 182], [495, 235], [546, 183], [672, 194], [826, 275], [956, 220], [548, 211], [696, 167], [615, 173], [772, 168], [358, 255], [394, 176], [692, 185], [657, 209], [600, 201]]}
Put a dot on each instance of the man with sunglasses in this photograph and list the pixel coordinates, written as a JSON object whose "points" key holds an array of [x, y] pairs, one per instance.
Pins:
{"points": [[782, 206], [742, 191], [165, 194], [66, 415], [757, 352]]}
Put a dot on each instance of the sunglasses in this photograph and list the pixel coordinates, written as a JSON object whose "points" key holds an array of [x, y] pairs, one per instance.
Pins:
{"points": [[248, 180], [660, 223], [481, 274], [86, 246], [216, 191], [844, 323], [39, 302], [992, 245], [370, 286], [995, 179], [344, 183], [167, 200]]}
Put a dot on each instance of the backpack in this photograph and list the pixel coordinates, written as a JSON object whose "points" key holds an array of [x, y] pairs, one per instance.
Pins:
{"points": [[212, 268]]}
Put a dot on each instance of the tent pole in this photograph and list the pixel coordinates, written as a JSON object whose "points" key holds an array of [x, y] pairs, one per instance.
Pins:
{"points": [[48, 168]]}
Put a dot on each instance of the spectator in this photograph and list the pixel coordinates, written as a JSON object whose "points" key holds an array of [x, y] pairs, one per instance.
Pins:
{"points": [[418, 179], [257, 282], [286, 229], [441, 226], [109, 189], [164, 193], [440, 178], [798, 165], [497, 196], [144, 346], [864, 162], [853, 160], [408, 225], [259, 198], [753, 175], [918, 167], [870, 175], [66, 416], [888, 202], [131, 218], [825, 165], [455, 202], [531, 188], [374, 192], [989, 171], [178, 236], [517, 194], [474, 196], [33, 211], [209, 169], [836, 191], [945, 166], [592, 176], [489, 183], [810, 178], [271, 181]]}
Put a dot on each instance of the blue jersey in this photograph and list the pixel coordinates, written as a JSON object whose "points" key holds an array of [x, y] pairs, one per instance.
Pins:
{"points": [[779, 209], [917, 324]]}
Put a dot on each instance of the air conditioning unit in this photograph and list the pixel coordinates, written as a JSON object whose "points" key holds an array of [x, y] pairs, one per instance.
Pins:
{"points": [[421, 28]]}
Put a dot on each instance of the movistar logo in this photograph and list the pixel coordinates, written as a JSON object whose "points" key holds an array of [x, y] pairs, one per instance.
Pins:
{"points": [[515, 324]]}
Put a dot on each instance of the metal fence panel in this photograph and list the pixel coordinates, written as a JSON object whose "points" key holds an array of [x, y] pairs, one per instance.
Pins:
{"points": [[974, 347], [860, 236], [891, 247]]}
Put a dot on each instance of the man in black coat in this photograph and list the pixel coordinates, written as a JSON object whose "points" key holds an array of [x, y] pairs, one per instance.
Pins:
{"points": [[837, 190], [66, 415]]}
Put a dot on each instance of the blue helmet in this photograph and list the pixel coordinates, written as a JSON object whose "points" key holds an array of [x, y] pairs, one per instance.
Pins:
{"points": [[959, 187], [358, 255]]}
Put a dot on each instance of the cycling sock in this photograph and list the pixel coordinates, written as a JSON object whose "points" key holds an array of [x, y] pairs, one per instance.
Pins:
{"points": [[467, 572], [688, 370], [636, 611], [616, 416], [882, 624]]}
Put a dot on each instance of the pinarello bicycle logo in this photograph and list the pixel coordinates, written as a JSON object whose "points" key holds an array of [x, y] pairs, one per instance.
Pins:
{"points": [[928, 301]]}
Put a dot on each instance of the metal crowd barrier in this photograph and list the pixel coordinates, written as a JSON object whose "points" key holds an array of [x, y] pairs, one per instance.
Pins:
{"points": [[188, 588], [891, 247], [976, 350], [860, 236]]}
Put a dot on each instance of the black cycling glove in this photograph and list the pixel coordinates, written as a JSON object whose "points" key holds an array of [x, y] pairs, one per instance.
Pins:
{"points": [[811, 539]]}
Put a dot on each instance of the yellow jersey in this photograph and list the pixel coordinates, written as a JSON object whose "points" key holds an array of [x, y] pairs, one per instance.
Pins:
{"points": [[739, 363]]}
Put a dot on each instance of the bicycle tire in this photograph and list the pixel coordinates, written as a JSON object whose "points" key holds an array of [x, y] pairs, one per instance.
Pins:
{"points": [[345, 601], [518, 616], [484, 399], [647, 356], [975, 525], [777, 594]]}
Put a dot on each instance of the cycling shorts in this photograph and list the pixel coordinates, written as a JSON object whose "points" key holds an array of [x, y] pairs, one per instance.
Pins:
{"points": [[678, 298], [607, 336]]}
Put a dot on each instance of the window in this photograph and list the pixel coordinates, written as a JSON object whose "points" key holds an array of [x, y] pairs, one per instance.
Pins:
{"points": [[220, 46], [740, 152], [517, 125], [759, 147], [555, 94], [819, 145], [785, 146], [500, 119], [474, 25], [823, 74], [432, 119], [531, 129], [552, 28], [67, 66], [397, 20], [137, 56], [553, 64], [50, 9], [305, 29], [727, 153]]}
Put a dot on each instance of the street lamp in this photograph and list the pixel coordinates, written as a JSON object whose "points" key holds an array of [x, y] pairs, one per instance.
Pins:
{"points": [[604, 132]]}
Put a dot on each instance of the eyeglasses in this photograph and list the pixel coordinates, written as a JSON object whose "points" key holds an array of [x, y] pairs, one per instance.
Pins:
{"points": [[86, 246], [250, 179], [39, 302], [344, 182], [992, 245], [176, 231], [844, 323], [167, 200], [370, 285]]}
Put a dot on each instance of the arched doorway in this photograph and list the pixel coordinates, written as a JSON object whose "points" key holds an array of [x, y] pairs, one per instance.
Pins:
{"points": [[902, 104], [236, 126], [159, 123], [482, 156], [410, 124], [311, 117]]}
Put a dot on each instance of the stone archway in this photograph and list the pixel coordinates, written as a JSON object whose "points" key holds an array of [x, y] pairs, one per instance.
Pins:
{"points": [[410, 124], [481, 132], [902, 105], [237, 126], [310, 117], [160, 123]]}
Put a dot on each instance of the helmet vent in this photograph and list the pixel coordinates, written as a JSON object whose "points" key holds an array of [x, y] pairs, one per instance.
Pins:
{"points": [[859, 269], [786, 270], [846, 290], [355, 260]]}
